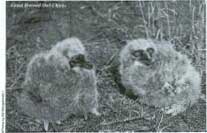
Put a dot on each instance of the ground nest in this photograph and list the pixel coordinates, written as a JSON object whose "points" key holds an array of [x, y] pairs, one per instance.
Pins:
{"points": [[104, 28]]}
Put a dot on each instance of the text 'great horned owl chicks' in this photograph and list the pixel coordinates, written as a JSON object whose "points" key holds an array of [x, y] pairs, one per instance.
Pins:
{"points": [[58, 83], [159, 75]]}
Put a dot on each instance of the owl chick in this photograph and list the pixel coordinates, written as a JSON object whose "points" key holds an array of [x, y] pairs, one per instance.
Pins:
{"points": [[58, 83], [159, 75]]}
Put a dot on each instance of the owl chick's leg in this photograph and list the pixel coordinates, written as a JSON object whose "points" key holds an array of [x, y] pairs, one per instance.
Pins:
{"points": [[95, 112], [54, 126], [46, 125], [85, 114]]}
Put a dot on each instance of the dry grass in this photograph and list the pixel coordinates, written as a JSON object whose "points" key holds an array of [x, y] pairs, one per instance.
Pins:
{"points": [[104, 27]]}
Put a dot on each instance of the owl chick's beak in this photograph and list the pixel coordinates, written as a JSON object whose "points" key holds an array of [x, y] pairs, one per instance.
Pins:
{"points": [[80, 61], [146, 58]]}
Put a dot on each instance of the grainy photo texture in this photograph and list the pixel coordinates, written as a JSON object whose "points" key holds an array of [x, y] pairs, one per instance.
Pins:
{"points": [[83, 66]]}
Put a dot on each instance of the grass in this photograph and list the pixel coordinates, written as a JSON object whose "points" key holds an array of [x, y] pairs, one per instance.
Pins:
{"points": [[104, 28]]}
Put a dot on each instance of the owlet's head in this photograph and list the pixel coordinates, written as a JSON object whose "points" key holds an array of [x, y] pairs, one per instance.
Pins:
{"points": [[74, 51], [139, 51]]}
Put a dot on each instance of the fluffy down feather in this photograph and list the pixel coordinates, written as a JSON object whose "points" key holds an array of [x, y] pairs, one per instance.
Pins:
{"points": [[166, 79], [53, 89]]}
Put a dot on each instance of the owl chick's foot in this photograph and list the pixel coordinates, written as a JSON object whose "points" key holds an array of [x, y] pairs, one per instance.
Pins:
{"points": [[58, 122], [95, 112], [46, 125], [85, 116], [174, 109]]}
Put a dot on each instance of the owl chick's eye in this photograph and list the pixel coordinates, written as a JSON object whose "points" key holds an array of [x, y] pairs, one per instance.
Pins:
{"points": [[80, 60], [138, 53], [78, 57], [150, 51]]}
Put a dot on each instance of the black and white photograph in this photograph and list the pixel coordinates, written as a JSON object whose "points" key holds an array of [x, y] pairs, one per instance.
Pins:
{"points": [[105, 66]]}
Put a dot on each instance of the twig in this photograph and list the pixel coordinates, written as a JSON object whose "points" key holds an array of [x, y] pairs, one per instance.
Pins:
{"points": [[153, 18], [193, 21], [157, 35], [202, 50], [108, 64], [93, 37], [111, 59], [16, 126], [144, 21], [168, 21], [16, 79], [158, 127], [14, 83], [164, 127], [121, 121]]}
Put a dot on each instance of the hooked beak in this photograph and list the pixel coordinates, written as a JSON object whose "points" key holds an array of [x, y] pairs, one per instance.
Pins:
{"points": [[146, 58], [80, 61]]}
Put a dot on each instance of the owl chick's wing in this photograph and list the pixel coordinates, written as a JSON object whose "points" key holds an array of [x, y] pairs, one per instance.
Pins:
{"points": [[50, 86], [178, 89], [86, 99], [52, 74]]}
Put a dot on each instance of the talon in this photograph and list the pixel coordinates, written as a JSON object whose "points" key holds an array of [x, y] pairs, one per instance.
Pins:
{"points": [[46, 125], [95, 112], [58, 122], [85, 117]]}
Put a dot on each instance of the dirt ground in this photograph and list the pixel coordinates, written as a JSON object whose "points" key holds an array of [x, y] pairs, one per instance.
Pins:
{"points": [[104, 27]]}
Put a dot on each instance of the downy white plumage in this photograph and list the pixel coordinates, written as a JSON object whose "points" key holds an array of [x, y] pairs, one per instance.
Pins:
{"points": [[58, 83], [159, 75]]}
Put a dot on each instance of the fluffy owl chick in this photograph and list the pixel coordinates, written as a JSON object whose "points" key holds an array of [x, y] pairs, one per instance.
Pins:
{"points": [[159, 75], [58, 83]]}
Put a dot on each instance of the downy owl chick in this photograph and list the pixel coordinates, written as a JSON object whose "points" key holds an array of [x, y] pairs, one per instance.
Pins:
{"points": [[159, 75], [58, 83]]}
